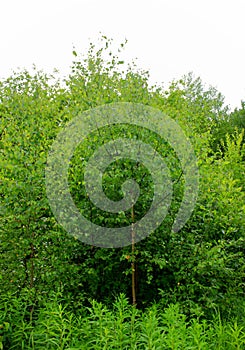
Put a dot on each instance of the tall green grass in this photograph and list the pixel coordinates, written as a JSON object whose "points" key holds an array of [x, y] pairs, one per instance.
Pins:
{"points": [[121, 327]]}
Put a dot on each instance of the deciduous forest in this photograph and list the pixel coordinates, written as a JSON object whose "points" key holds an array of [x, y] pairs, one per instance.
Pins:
{"points": [[171, 290]]}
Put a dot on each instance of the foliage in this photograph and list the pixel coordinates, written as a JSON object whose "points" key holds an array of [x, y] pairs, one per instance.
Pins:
{"points": [[121, 327], [200, 268]]}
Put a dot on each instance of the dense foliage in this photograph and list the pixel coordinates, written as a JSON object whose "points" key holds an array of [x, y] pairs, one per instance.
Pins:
{"points": [[47, 275], [120, 327]]}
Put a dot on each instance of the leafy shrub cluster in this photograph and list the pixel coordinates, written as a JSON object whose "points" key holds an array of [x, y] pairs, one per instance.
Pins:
{"points": [[200, 268]]}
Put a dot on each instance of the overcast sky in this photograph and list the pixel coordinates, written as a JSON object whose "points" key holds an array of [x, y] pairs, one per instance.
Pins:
{"points": [[169, 37]]}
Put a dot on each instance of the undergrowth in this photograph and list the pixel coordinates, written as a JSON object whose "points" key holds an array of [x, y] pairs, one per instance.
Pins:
{"points": [[122, 327]]}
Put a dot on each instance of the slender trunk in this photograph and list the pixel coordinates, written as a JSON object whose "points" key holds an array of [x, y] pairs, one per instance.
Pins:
{"points": [[32, 273], [133, 260]]}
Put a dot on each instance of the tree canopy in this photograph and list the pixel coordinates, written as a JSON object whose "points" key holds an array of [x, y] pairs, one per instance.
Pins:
{"points": [[201, 267]]}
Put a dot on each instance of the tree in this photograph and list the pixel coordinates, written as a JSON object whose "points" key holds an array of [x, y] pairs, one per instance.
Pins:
{"points": [[201, 266]]}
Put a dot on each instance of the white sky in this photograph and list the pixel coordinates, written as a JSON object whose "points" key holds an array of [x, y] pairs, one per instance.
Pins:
{"points": [[169, 37]]}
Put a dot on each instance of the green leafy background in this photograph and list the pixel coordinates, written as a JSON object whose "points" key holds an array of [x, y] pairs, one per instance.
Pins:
{"points": [[200, 268]]}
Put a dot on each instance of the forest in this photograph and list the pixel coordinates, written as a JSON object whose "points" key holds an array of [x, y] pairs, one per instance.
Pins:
{"points": [[172, 289]]}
